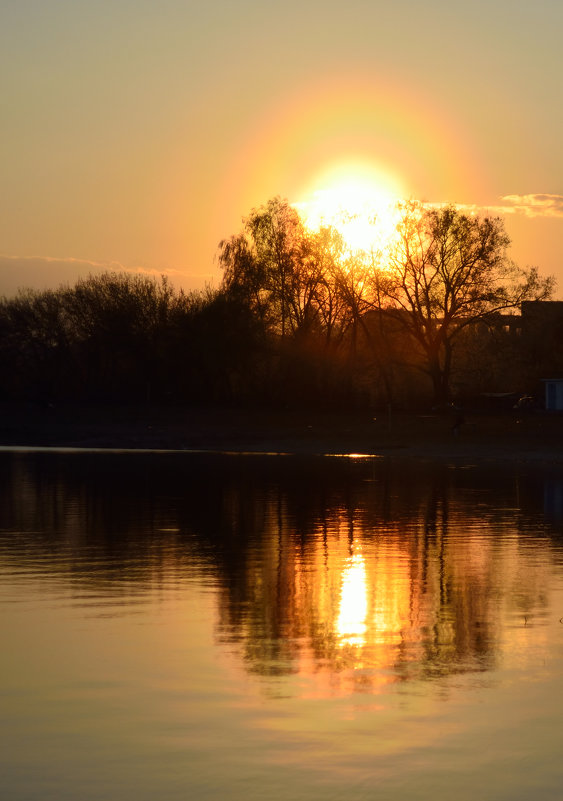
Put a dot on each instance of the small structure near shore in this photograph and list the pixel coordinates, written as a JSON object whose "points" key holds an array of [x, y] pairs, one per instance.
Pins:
{"points": [[553, 394]]}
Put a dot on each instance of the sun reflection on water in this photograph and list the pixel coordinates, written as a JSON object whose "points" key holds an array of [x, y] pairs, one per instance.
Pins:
{"points": [[351, 622]]}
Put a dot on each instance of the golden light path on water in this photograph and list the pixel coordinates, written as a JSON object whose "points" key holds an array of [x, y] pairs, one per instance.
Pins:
{"points": [[242, 624], [372, 610], [351, 623]]}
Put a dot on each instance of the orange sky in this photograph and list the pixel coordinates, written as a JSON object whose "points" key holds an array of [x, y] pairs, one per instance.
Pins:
{"points": [[136, 136]]}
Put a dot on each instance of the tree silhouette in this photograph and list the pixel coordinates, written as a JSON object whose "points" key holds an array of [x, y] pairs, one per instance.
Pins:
{"points": [[295, 283], [447, 271], [299, 319]]}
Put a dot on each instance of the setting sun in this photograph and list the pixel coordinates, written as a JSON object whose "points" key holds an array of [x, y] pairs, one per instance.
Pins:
{"points": [[359, 201]]}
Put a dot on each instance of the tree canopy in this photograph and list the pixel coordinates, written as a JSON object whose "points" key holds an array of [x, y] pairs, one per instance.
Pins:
{"points": [[446, 270], [299, 318], [449, 270]]}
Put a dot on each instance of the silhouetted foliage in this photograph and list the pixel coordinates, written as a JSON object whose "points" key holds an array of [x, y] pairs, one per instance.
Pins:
{"points": [[448, 271], [292, 281], [372, 320], [299, 319], [129, 338]]}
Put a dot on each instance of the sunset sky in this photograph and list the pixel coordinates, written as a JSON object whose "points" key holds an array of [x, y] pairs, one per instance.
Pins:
{"points": [[136, 135]]}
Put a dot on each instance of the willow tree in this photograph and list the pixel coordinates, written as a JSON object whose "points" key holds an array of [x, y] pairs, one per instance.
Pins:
{"points": [[447, 271], [262, 261], [293, 280], [286, 273]]}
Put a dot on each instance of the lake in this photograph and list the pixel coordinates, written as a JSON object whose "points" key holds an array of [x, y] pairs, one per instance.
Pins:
{"points": [[191, 626]]}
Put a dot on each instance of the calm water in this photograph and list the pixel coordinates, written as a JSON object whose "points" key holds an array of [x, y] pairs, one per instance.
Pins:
{"points": [[220, 627]]}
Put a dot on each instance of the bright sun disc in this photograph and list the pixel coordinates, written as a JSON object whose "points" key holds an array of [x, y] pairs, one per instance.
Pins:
{"points": [[360, 204]]}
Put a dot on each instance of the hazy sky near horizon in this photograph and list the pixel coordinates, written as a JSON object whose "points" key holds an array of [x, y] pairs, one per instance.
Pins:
{"points": [[136, 135]]}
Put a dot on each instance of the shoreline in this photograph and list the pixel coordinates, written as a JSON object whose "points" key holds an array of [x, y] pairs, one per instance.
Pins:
{"points": [[483, 437]]}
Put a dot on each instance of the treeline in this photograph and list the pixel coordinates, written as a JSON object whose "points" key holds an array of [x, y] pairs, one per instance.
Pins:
{"points": [[298, 319], [126, 338], [119, 337]]}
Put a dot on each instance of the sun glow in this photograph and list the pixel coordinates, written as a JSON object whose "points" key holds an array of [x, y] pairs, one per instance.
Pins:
{"points": [[361, 203]]}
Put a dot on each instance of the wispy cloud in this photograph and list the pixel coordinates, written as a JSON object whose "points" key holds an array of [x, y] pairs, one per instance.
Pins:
{"points": [[534, 205], [42, 272], [531, 205], [88, 264]]}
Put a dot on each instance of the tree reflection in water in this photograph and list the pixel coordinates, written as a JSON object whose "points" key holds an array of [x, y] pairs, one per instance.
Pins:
{"points": [[358, 573], [396, 574]]}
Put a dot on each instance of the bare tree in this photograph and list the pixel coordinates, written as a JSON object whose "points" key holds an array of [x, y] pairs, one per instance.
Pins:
{"points": [[447, 271]]}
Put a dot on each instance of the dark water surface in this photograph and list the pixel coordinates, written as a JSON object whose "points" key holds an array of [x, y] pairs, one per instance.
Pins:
{"points": [[219, 627]]}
